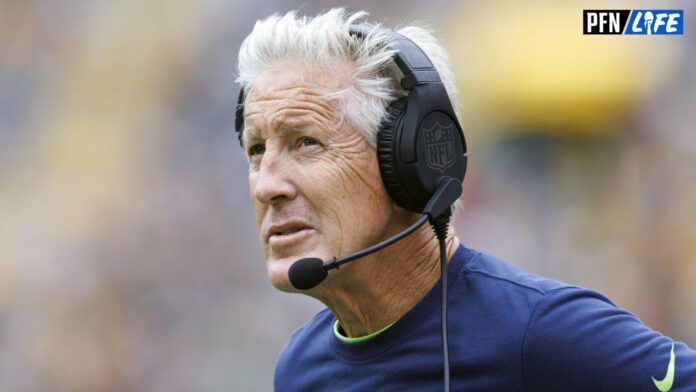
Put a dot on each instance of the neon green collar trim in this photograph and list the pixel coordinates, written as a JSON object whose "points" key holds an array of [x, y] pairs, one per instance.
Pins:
{"points": [[359, 339]]}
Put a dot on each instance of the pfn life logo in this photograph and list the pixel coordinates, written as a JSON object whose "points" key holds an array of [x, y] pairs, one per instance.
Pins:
{"points": [[635, 22]]}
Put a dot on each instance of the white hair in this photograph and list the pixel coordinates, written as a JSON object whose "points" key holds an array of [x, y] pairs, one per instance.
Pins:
{"points": [[324, 39]]}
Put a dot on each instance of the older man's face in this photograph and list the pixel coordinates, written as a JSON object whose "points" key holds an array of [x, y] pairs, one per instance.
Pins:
{"points": [[313, 179]]}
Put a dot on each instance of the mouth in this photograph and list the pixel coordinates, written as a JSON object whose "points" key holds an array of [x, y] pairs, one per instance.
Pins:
{"points": [[288, 233]]}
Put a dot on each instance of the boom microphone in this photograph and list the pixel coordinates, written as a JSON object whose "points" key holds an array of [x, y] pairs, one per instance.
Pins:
{"points": [[307, 273]]}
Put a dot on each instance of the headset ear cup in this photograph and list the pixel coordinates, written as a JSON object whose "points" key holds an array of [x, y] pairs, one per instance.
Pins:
{"points": [[387, 151]]}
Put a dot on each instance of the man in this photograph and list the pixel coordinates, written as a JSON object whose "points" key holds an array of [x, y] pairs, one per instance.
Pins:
{"points": [[315, 97]]}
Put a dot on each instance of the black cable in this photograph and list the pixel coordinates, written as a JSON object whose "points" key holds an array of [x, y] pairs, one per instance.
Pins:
{"points": [[440, 225], [443, 271]]}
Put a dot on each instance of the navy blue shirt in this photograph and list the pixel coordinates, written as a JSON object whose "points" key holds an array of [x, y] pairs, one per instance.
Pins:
{"points": [[509, 330]]}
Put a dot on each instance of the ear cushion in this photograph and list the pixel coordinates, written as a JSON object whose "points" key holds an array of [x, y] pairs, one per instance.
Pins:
{"points": [[387, 155]]}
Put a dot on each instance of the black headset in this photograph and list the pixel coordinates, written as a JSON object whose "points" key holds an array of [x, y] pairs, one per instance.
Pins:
{"points": [[420, 140]]}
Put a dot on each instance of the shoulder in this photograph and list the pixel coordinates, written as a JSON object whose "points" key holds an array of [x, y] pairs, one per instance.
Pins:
{"points": [[498, 277], [493, 284], [572, 338], [501, 274], [567, 337], [536, 303]]}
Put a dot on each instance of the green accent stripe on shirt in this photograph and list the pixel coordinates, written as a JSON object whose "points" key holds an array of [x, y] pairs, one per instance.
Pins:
{"points": [[359, 339]]}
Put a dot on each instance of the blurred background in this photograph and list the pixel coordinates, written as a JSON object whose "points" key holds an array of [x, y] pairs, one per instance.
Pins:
{"points": [[128, 252]]}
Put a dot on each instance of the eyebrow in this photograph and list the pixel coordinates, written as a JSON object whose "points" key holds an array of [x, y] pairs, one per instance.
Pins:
{"points": [[294, 125], [250, 133]]}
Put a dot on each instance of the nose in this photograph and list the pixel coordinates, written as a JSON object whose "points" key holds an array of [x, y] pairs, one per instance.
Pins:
{"points": [[272, 183]]}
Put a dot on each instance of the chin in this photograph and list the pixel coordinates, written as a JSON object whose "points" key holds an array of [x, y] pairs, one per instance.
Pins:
{"points": [[278, 274], [277, 267], [277, 270]]}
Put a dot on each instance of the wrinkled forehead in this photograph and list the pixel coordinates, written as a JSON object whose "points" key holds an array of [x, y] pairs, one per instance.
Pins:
{"points": [[293, 85], [288, 74]]}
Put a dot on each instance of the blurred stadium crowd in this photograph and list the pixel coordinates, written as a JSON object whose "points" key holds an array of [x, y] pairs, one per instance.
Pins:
{"points": [[128, 250]]}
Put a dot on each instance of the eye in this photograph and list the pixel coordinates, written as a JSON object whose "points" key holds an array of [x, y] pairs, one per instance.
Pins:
{"points": [[257, 149], [307, 141]]}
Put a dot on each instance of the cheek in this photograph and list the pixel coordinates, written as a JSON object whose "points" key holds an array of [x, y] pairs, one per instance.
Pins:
{"points": [[259, 212], [354, 203]]}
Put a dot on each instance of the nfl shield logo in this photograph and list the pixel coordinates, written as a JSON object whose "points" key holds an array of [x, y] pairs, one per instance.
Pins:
{"points": [[438, 146]]}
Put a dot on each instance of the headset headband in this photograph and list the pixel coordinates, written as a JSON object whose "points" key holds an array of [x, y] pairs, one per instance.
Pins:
{"points": [[411, 60]]}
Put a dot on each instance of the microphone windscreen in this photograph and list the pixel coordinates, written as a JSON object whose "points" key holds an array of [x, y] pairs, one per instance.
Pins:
{"points": [[307, 273]]}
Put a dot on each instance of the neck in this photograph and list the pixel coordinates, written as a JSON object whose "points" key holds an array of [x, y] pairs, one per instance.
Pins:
{"points": [[374, 292]]}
